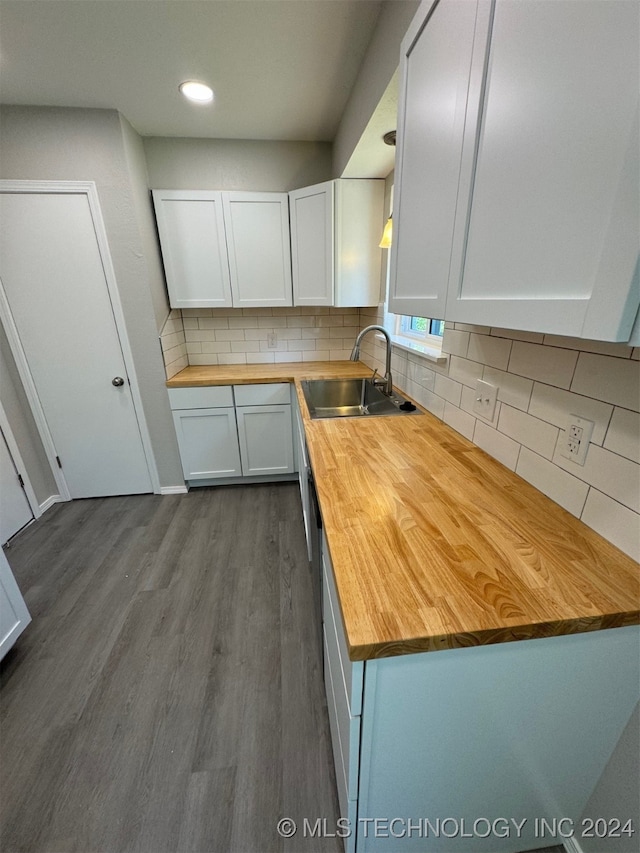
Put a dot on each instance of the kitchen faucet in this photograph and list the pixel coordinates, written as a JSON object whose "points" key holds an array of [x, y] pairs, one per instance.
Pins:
{"points": [[386, 384]]}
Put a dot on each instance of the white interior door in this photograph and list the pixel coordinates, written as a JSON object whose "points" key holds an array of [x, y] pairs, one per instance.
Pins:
{"points": [[54, 283], [15, 511]]}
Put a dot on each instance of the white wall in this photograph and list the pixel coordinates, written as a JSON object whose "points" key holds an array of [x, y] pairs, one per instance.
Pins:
{"points": [[235, 164], [50, 143]]}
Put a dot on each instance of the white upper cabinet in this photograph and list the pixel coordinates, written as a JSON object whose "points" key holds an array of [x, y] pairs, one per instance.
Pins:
{"points": [[258, 241], [435, 65], [335, 232], [224, 249], [194, 249], [546, 205]]}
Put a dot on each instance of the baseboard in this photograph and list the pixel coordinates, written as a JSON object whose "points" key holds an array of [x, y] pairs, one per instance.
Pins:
{"points": [[173, 490], [571, 845], [50, 501]]}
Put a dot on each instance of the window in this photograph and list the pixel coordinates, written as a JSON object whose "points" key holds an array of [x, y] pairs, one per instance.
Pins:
{"points": [[421, 328]]}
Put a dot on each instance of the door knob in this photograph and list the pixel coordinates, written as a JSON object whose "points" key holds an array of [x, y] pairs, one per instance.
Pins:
{"points": [[117, 381]]}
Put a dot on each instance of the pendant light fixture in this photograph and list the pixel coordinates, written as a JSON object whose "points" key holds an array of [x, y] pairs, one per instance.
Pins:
{"points": [[385, 243]]}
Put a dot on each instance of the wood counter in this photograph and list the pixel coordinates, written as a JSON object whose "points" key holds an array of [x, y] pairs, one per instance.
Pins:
{"points": [[434, 544]]}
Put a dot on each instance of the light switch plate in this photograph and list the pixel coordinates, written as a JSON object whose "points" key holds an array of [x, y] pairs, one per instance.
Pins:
{"points": [[484, 403]]}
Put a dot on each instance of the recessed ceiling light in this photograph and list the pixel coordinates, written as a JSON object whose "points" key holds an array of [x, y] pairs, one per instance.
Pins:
{"points": [[197, 92]]}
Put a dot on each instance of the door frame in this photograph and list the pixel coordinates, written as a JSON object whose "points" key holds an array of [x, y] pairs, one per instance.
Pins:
{"points": [[89, 189], [16, 456]]}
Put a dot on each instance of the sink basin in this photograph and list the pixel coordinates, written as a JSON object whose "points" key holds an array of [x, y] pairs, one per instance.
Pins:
{"points": [[351, 398]]}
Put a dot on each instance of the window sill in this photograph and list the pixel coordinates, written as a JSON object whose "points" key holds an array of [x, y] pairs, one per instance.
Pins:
{"points": [[426, 351]]}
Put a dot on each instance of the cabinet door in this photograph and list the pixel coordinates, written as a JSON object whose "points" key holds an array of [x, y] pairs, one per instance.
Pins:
{"points": [[208, 441], [14, 616], [312, 247], [257, 228], [550, 240], [358, 210], [194, 249], [435, 67], [266, 441]]}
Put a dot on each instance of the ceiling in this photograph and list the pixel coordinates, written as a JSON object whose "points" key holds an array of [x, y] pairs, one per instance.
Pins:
{"points": [[280, 69]]}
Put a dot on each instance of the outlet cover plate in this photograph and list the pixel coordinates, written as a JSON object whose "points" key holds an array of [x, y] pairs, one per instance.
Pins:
{"points": [[484, 403], [574, 442]]}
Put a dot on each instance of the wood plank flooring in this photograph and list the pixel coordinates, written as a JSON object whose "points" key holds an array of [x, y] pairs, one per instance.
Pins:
{"points": [[168, 695]]}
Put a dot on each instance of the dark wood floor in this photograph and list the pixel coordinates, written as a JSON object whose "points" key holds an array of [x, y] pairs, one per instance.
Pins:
{"points": [[168, 695]]}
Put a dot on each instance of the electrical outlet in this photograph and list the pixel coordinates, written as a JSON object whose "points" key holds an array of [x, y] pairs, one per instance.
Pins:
{"points": [[574, 442], [272, 340], [484, 403]]}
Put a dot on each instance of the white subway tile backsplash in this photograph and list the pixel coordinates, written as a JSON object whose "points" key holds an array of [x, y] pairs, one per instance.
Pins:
{"points": [[229, 335], [213, 322], [280, 357], [262, 358], [302, 346], [535, 434], [176, 366], [339, 354], [513, 390], [190, 323], [316, 355], [243, 322], [272, 322], [489, 350], [613, 521], [256, 334], [245, 346], [623, 435], [288, 334], [232, 358], [546, 364], [193, 347], [465, 371], [552, 481], [448, 389], [208, 358], [555, 405], [215, 346], [614, 380], [609, 473], [195, 312], [455, 342], [432, 402], [496, 444], [460, 420]]}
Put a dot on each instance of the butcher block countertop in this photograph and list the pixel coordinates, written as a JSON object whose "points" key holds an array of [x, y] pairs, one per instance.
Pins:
{"points": [[434, 544]]}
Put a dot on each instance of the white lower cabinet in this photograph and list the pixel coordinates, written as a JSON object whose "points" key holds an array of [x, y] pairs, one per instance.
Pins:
{"points": [[233, 432], [466, 750], [14, 616], [266, 439]]}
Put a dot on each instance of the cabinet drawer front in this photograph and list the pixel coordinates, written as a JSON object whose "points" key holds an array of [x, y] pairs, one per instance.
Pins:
{"points": [[351, 671], [209, 397], [262, 395]]}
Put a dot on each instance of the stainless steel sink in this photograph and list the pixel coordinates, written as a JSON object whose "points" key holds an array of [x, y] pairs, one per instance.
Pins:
{"points": [[351, 398]]}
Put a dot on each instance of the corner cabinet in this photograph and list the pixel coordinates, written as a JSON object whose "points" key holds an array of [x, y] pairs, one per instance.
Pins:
{"points": [[225, 249], [517, 173], [451, 736], [14, 616], [335, 232], [231, 433]]}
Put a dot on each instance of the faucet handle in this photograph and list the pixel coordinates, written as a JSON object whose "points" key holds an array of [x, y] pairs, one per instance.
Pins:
{"points": [[373, 375]]}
